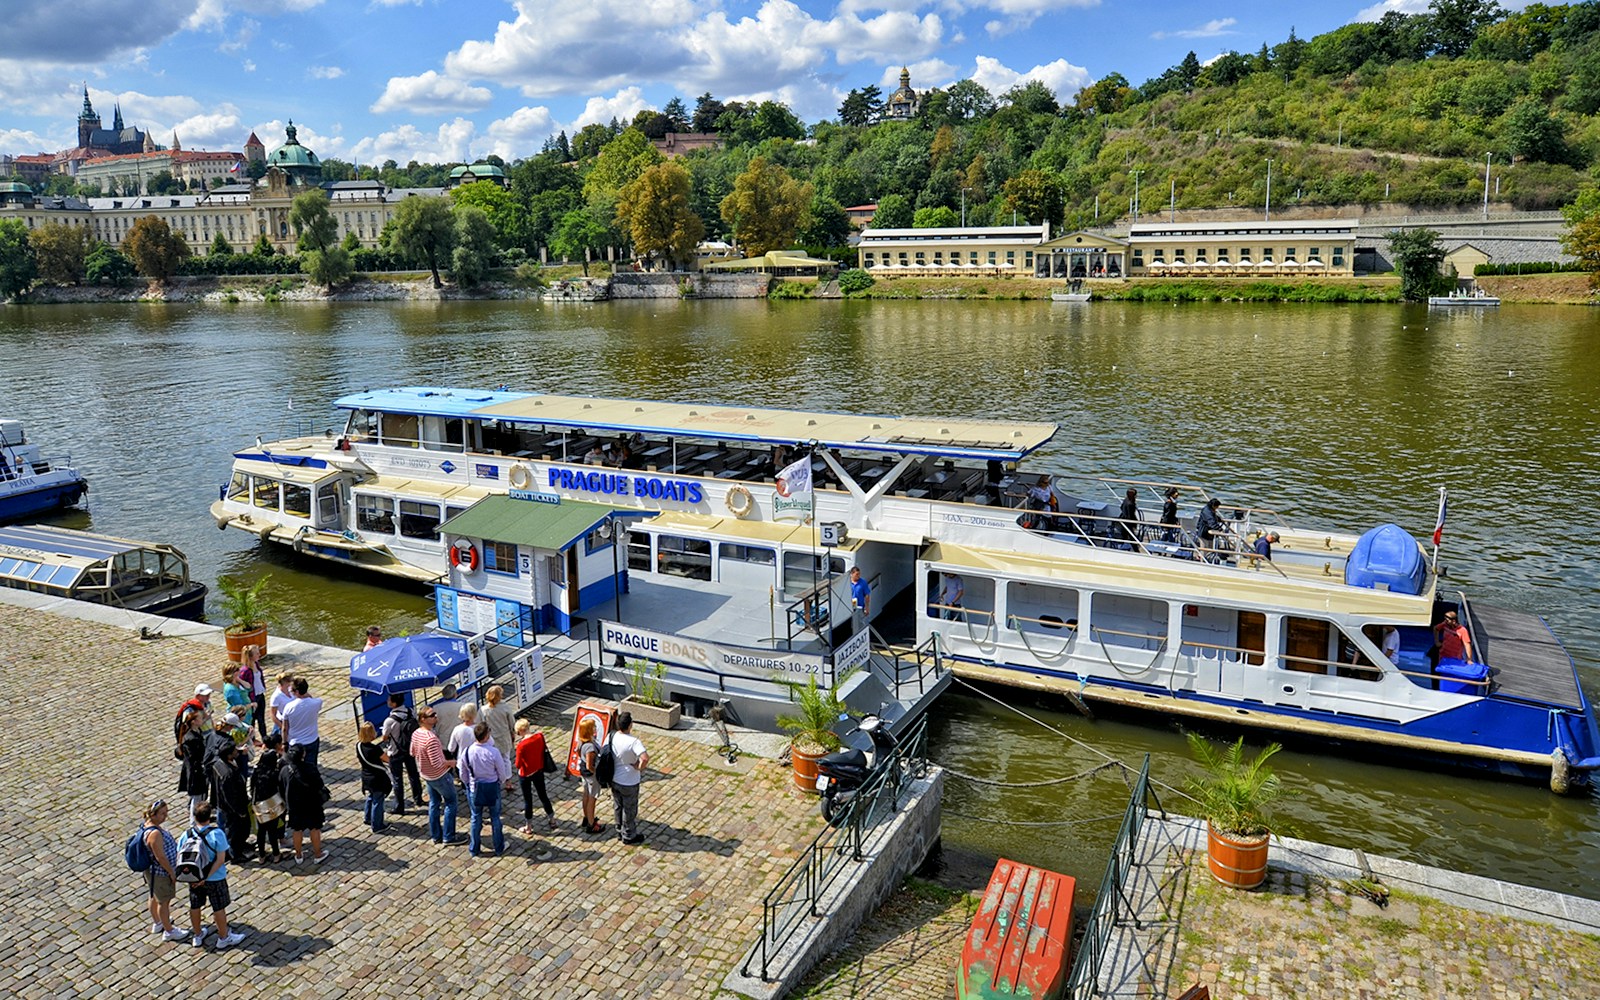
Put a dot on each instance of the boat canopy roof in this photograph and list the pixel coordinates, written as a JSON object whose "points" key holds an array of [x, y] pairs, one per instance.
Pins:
{"points": [[985, 439], [551, 527], [56, 557]]}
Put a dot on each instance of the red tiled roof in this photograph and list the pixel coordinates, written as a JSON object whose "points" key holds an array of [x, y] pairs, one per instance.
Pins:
{"points": [[36, 158]]}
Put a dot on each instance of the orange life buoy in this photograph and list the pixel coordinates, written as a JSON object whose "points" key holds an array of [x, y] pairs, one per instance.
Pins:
{"points": [[464, 554]]}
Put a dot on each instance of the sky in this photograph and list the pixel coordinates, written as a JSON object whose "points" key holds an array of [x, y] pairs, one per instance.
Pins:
{"points": [[452, 80]]}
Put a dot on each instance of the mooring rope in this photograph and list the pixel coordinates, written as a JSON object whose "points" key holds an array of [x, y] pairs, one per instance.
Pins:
{"points": [[1030, 784], [1018, 822]]}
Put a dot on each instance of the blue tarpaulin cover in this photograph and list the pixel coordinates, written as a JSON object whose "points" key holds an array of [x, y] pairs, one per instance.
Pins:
{"points": [[1387, 555]]}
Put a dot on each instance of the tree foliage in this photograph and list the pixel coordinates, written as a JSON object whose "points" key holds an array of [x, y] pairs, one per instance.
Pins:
{"points": [[156, 250], [60, 252], [766, 207], [1582, 240], [894, 212], [1417, 256], [220, 247], [655, 212], [853, 281], [580, 235], [940, 217], [623, 159], [424, 232], [106, 265], [329, 267], [312, 219], [17, 263], [473, 254]]}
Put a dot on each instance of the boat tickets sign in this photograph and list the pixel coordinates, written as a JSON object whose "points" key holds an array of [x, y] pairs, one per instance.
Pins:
{"points": [[669, 647]]}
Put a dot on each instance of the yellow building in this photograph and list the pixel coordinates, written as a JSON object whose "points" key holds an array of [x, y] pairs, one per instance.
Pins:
{"points": [[1081, 255], [1316, 247], [989, 250]]}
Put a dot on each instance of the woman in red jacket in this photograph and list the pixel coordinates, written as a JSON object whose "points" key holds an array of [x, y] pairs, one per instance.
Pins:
{"points": [[530, 767]]}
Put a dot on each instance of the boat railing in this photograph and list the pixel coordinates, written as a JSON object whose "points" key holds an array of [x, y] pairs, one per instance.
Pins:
{"points": [[1114, 905], [46, 463], [1144, 639], [1343, 668], [902, 667], [798, 898], [1229, 654]]}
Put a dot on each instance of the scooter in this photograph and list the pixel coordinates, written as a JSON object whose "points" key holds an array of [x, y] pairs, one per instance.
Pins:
{"points": [[840, 775]]}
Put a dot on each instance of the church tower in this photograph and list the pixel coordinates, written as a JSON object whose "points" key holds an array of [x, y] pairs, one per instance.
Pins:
{"points": [[88, 121], [116, 119]]}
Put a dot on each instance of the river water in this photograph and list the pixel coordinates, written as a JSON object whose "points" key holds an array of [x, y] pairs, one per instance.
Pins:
{"points": [[1337, 415]]}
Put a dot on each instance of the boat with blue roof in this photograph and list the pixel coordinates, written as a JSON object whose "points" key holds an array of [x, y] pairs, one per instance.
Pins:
{"points": [[148, 577], [698, 552], [32, 483]]}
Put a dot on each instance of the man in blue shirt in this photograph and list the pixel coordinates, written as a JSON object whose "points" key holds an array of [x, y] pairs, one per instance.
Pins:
{"points": [[860, 597], [215, 887], [1264, 544]]}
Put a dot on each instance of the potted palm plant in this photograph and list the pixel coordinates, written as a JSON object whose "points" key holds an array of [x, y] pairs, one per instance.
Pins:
{"points": [[811, 727], [647, 698], [1235, 794], [248, 610]]}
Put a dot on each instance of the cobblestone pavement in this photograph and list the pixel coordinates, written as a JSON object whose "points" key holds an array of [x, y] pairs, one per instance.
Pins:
{"points": [[908, 948], [87, 712], [1298, 937]]}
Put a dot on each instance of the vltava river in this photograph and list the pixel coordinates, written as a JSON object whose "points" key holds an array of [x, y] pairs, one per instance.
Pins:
{"points": [[1337, 415]]}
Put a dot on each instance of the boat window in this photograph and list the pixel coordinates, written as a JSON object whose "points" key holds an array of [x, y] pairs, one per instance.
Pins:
{"points": [[960, 597], [328, 505], [686, 557], [639, 550], [400, 429], [363, 426], [239, 487], [63, 576], [802, 569], [444, 434], [500, 557], [419, 520], [1306, 645], [297, 500], [747, 553], [7, 566], [1131, 622], [266, 494], [450, 512], [1035, 607], [1224, 633], [375, 514], [593, 542]]}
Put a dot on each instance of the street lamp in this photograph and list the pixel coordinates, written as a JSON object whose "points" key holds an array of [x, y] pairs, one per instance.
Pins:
{"points": [[1269, 191], [1488, 159], [1136, 174], [964, 206]]}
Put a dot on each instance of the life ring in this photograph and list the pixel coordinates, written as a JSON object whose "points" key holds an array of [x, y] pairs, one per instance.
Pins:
{"points": [[464, 554], [521, 478], [740, 502]]}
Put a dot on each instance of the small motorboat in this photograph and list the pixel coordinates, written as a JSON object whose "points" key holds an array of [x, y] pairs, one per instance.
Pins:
{"points": [[1021, 935], [31, 483], [1465, 297], [1074, 293], [117, 572]]}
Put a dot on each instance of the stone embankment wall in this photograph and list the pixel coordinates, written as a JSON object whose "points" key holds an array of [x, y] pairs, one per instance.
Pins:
{"points": [[644, 285]]}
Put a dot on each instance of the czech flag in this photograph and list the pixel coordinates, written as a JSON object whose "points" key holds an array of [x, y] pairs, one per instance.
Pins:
{"points": [[1438, 526], [235, 168]]}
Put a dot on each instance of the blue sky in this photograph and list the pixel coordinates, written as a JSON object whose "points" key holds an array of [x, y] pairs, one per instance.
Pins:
{"points": [[437, 80]]}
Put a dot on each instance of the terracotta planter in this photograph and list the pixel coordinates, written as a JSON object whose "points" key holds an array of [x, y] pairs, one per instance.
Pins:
{"points": [[237, 641], [1237, 861], [654, 715], [804, 765]]}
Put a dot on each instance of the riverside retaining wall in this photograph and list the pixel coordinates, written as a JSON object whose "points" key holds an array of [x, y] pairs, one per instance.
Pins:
{"points": [[674, 285]]}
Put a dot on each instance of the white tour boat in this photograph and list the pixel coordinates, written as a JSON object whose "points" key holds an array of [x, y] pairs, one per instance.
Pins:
{"points": [[32, 483], [733, 578]]}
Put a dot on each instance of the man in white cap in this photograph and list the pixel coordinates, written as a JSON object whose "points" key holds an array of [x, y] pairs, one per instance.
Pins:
{"points": [[201, 703]]}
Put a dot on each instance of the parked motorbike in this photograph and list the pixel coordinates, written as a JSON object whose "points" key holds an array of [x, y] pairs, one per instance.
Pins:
{"points": [[840, 775]]}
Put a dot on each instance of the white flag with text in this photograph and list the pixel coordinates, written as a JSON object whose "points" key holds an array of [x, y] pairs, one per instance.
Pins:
{"points": [[794, 481]]}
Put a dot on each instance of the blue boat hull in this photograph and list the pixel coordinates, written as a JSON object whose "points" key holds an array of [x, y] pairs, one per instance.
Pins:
{"points": [[30, 503]]}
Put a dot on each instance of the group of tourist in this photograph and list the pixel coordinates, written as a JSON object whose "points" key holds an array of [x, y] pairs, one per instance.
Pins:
{"points": [[255, 761]]}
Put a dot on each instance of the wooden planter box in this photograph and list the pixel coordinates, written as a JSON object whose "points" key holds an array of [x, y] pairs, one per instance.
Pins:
{"points": [[1237, 861], [653, 715], [237, 641]]}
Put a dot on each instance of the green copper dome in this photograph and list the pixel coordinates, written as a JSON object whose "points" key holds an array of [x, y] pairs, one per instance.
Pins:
{"points": [[291, 155]]}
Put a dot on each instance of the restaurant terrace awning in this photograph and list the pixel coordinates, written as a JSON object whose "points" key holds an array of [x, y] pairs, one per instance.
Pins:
{"points": [[773, 260]]}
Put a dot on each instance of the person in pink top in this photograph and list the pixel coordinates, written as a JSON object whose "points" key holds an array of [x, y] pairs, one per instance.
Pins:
{"points": [[374, 637], [437, 775], [1452, 638]]}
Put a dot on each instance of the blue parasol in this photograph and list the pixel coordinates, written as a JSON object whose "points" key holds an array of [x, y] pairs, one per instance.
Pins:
{"points": [[407, 663]]}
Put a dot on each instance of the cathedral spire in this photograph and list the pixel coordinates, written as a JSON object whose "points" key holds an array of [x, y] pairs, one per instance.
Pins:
{"points": [[116, 117], [88, 109]]}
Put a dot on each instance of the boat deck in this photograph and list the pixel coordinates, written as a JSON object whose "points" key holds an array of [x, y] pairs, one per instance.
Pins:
{"points": [[687, 607], [1529, 661]]}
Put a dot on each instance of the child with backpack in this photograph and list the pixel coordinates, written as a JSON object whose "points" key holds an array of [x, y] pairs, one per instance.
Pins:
{"points": [[153, 853], [203, 866]]}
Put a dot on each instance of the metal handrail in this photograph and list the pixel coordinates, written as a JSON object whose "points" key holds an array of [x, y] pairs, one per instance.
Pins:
{"points": [[1112, 905], [799, 890]]}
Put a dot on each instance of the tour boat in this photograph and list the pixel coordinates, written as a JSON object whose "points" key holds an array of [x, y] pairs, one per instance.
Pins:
{"points": [[116, 572], [1475, 297], [31, 483], [733, 577], [1021, 936]]}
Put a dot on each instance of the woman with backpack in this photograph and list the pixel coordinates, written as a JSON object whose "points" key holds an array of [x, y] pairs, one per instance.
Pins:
{"points": [[588, 751], [160, 876], [266, 795], [191, 749], [302, 792], [375, 783]]}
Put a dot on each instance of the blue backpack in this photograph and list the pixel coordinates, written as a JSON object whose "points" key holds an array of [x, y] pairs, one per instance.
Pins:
{"points": [[136, 852]]}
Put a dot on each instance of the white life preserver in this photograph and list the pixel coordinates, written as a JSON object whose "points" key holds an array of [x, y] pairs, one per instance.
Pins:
{"points": [[740, 502], [464, 554], [521, 477]]}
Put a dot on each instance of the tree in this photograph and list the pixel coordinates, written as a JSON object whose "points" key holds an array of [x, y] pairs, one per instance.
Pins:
{"points": [[220, 247], [653, 124], [940, 217], [1531, 133], [1453, 24], [351, 242], [474, 249], [968, 100], [328, 267], [17, 264], [894, 212], [1582, 240], [1226, 70], [262, 247], [1417, 256], [162, 182], [1189, 71], [623, 159], [1034, 196], [60, 251], [766, 207], [156, 250], [424, 231], [774, 120], [313, 220], [1105, 96], [507, 216], [853, 111], [677, 115], [1035, 98], [579, 236], [107, 265], [854, 280], [589, 141], [655, 211], [829, 226], [707, 110]]}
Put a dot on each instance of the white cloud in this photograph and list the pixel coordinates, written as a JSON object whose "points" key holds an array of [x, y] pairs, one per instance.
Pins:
{"points": [[271, 134], [430, 94], [214, 13], [1019, 14], [925, 75], [21, 141], [1211, 29], [249, 65], [138, 108], [519, 134], [238, 43], [324, 72], [451, 142], [216, 130], [1377, 10], [622, 105], [1063, 78]]}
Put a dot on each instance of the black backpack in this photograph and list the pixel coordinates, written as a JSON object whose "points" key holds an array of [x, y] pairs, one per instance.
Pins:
{"points": [[605, 765], [405, 727]]}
